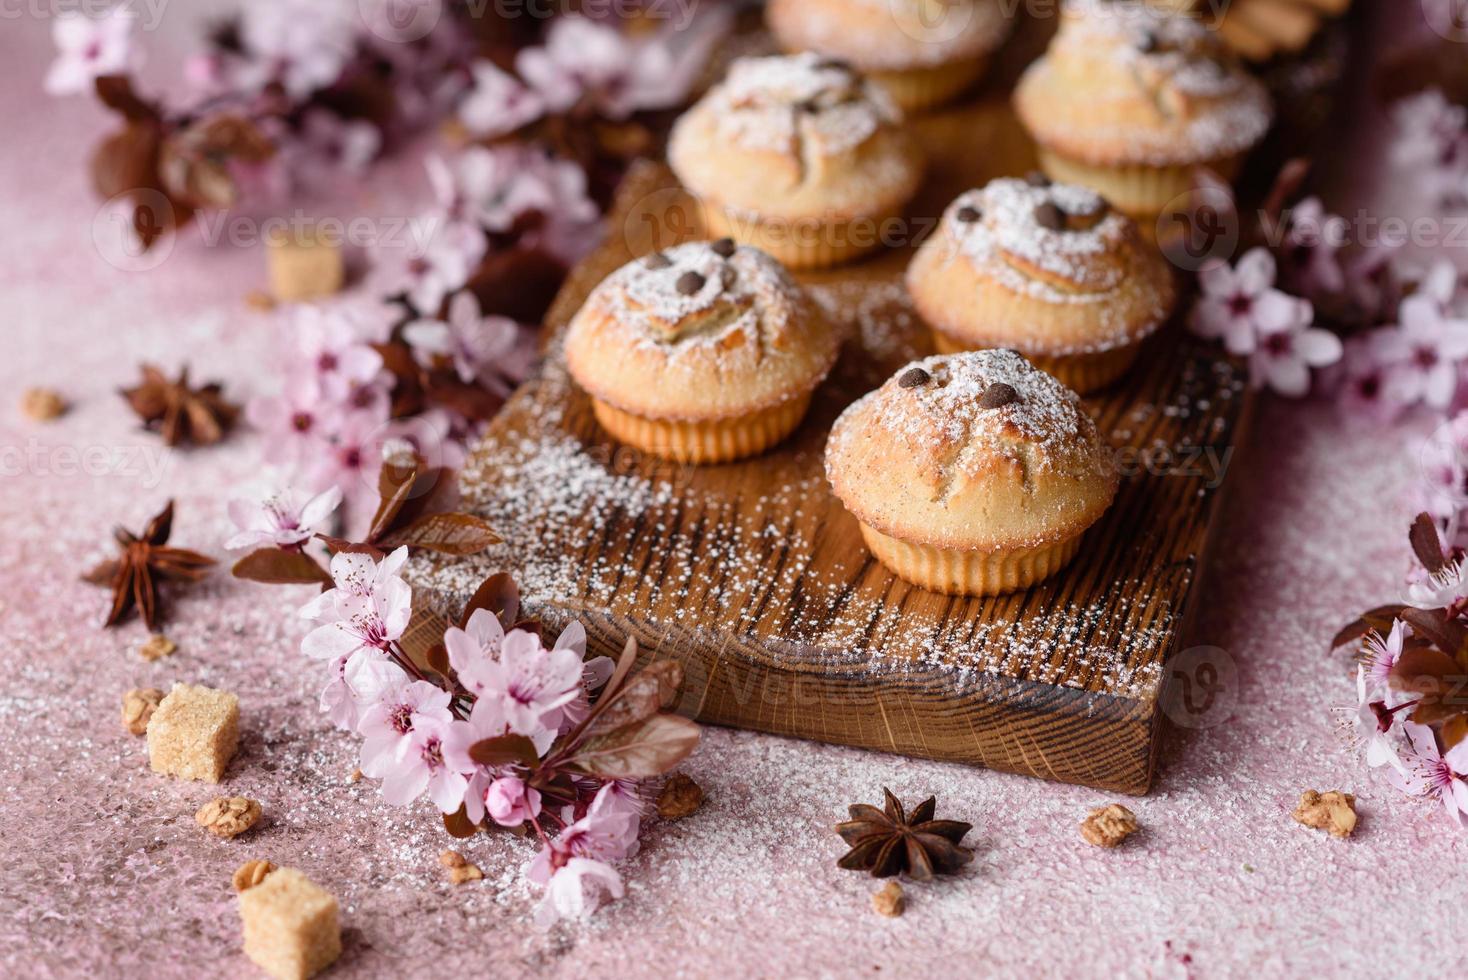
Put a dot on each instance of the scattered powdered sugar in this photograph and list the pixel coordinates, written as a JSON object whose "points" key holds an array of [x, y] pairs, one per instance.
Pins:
{"points": [[798, 104]]}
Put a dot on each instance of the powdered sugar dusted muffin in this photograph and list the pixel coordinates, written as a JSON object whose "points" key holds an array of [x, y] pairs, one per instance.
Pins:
{"points": [[923, 52], [1129, 98], [1048, 269], [703, 353], [972, 473], [798, 156]]}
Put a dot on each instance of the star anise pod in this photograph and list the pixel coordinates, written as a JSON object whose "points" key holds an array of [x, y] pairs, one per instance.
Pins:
{"points": [[146, 557], [889, 841], [179, 412]]}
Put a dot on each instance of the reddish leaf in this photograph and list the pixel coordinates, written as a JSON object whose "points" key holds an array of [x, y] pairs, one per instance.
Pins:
{"points": [[458, 824], [470, 401], [116, 93], [1379, 619], [395, 484], [518, 283], [654, 688], [1426, 544], [437, 658], [1447, 634], [126, 161], [1286, 183], [499, 595], [1454, 731], [278, 567], [341, 546], [504, 750], [447, 534], [640, 751]]}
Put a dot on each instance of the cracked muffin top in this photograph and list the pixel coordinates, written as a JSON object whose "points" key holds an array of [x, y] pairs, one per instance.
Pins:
{"points": [[1046, 267], [1132, 83], [974, 451], [796, 136], [701, 331]]}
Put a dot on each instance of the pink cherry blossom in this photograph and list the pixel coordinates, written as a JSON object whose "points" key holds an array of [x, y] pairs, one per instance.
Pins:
{"points": [[1422, 353], [1382, 656], [1439, 776], [1310, 252], [301, 44], [472, 649], [509, 802], [1362, 381], [1444, 589], [497, 103], [387, 726], [353, 458], [284, 518], [426, 274], [488, 349], [1432, 146], [369, 606], [530, 683], [358, 680], [89, 48], [1240, 305], [295, 423], [1286, 352], [1375, 723], [420, 767], [575, 887], [337, 147], [327, 341]]}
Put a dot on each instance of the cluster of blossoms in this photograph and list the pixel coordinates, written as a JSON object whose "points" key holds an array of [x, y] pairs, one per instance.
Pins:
{"points": [[1431, 148], [416, 355], [588, 68], [495, 728], [1409, 710]]}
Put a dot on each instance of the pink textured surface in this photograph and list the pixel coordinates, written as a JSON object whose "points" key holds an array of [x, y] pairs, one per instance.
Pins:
{"points": [[105, 872]]}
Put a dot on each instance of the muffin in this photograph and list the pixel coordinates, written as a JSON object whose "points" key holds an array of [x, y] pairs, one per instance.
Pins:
{"points": [[1050, 270], [923, 52], [798, 156], [972, 473], [1130, 98], [703, 353]]}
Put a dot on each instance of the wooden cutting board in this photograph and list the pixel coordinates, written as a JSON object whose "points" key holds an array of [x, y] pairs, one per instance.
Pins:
{"points": [[754, 576]]}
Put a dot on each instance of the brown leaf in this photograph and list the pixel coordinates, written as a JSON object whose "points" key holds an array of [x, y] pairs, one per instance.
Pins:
{"points": [[126, 161], [504, 750], [458, 824], [1426, 544], [276, 566], [639, 751], [653, 689], [116, 93], [437, 659], [1379, 619], [518, 283], [1286, 184], [470, 401], [395, 485], [341, 546], [1454, 731], [1448, 634], [446, 534], [499, 595]]}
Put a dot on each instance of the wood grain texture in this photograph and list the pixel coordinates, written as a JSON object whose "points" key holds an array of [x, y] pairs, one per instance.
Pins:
{"points": [[755, 577]]}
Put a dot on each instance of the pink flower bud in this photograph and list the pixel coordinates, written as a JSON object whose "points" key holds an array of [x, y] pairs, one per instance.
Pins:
{"points": [[509, 802]]}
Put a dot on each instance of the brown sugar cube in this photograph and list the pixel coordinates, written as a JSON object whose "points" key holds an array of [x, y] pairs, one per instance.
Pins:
{"points": [[303, 265], [194, 732], [290, 925]]}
